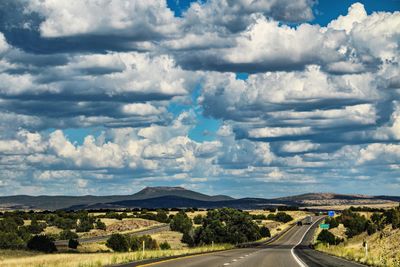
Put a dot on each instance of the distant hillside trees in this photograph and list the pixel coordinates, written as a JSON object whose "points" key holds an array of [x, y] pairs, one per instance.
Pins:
{"points": [[181, 223], [226, 226], [280, 217]]}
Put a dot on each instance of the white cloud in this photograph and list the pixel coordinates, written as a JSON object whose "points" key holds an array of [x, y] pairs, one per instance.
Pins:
{"points": [[135, 19], [278, 131], [299, 146]]}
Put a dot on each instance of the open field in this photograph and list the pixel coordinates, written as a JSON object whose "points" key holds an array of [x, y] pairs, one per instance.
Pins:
{"points": [[94, 259]]}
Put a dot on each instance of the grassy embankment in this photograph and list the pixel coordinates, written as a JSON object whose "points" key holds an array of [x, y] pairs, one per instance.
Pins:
{"points": [[383, 248], [9, 259]]}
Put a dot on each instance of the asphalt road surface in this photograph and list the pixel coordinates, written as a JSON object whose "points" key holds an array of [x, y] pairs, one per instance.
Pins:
{"points": [[291, 249], [156, 229]]}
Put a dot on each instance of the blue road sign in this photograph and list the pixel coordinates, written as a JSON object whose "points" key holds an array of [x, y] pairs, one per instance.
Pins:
{"points": [[331, 213]]}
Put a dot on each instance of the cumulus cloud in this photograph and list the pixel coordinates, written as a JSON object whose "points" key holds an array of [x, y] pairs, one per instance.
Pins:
{"points": [[136, 20]]}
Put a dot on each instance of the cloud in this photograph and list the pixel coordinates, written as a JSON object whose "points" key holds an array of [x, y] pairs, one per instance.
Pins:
{"points": [[297, 147], [134, 20]]}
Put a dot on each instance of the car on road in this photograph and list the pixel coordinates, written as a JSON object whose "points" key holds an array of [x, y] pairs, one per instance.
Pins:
{"points": [[308, 220]]}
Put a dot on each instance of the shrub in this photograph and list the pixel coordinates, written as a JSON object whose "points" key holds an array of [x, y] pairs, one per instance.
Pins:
{"points": [[165, 245], [118, 242], [227, 226], [333, 223], [264, 232], [280, 217], [35, 227], [354, 223], [371, 228], [162, 216], [198, 219], [181, 223], [136, 242], [68, 234], [188, 239], [326, 237], [42, 243], [100, 225], [11, 241], [73, 243]]}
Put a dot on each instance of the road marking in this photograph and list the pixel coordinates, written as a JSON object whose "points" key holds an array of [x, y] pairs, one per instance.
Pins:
{"points": [[298, 260], [241, 257], [234, 260], [227, 263]]}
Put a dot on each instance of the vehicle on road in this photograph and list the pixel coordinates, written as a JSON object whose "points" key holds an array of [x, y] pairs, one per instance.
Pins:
{"points": [[308, 220]]}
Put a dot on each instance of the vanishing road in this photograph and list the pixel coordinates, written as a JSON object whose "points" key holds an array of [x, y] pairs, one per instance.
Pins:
{"points": [[291, 249]]}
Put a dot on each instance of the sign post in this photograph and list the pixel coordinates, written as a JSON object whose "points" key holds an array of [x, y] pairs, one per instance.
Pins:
{"points": [[331, 213], [324, 226]]}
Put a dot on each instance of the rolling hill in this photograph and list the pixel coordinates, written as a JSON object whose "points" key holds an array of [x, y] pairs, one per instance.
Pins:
{"points": [[171, 197]]}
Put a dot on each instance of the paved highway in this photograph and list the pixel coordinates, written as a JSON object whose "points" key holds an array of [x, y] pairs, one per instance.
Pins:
{"points": [[291, 249]]}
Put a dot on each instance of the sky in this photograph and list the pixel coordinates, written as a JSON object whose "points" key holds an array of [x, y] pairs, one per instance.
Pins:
{"points": [[249, 98]]}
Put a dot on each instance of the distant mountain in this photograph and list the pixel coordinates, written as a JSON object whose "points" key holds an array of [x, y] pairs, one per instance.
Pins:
{"points": [[160, 191], [171, 197], [319, 199], [182, 202], [63, 202]]}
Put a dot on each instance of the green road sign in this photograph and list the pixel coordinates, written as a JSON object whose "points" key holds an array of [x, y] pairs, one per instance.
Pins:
{"points": [[324, 226]]}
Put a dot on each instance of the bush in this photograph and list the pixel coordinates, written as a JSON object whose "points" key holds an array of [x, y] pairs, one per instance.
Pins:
{"points": [[100, 225], [42, 243], [198, 219], [73, 243], [264, 232], [181, 223], [165, 245], [118, 242], [162, 216], [136, 242], [85, 225], [11, 241], [68, 234], [188, 239], [326, 237], [280, 217], [227, 226], [354, 223], [371, 228], [333, 223], [35, 227]]}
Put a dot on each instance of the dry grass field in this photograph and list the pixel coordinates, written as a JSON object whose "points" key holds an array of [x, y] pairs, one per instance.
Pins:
{"points": [[386, 205], [124, 226], [173, 238], [383, 248], [276, 227], [10, 259]]}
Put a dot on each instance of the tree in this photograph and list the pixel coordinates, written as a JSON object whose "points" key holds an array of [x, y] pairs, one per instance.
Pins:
{"points": [[35, 227], [227, 226], [136, 242], [280, 217], [73, 243], [68, 234], [100, 225], [42, 243], [162, 216], [181, 223], [118, 242], [11, 241], [264, 232], [198, 219], [333, 223], [187, 239], [327, 237]]}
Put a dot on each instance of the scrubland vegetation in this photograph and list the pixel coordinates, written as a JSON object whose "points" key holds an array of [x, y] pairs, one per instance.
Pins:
{"points": [[372, 238], [28, 238]]}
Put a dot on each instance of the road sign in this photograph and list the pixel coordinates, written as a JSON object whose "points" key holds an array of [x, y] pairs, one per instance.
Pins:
{"points": [[324, 226], [331, 213]]}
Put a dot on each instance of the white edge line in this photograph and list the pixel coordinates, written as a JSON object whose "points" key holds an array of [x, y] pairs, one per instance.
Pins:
{"points": [[299, 261]]}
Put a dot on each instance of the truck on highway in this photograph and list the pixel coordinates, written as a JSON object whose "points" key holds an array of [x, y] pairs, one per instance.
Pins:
{"points": [[308, 220]]}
